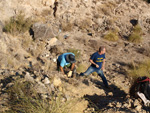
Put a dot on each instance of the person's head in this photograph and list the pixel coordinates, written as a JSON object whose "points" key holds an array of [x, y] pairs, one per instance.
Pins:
{"points": [[102, 49], [70, 58]]}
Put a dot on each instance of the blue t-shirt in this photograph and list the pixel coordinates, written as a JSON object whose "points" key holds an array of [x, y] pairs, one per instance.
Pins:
{"points": [[98, 59], [62, 59]]}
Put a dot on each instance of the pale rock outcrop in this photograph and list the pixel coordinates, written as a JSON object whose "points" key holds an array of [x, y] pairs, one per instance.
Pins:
{"points": [[10, 8]]}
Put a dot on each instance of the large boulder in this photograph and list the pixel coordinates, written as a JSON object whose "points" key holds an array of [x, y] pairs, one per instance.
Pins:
{"points": [[43, 31]]}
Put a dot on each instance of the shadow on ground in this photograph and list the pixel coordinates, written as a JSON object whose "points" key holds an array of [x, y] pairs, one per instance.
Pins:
{"points": [[100, 102]]}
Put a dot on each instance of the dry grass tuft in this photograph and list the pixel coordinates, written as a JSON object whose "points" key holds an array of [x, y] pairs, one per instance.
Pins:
{"points": [[111, 36], [136, 35], [85, 24], [142, 69], [24, 98], [106, 8], [18, 24], [67, 26]]}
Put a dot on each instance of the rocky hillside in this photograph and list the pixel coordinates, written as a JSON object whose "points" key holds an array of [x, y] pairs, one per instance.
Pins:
{"points": [[78, 26]]}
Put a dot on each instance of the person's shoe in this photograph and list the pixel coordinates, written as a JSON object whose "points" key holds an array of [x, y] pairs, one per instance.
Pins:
{"points": [[81, 74], [108, 87]]}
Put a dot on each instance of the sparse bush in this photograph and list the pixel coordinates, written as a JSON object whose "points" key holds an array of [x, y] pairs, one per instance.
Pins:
{"points": [[137, 29], [142, 69], [81, 68], [136, 35], [24, 99], [26, 41], [18, 24], [46, 12], [85, 24], [37, 49], [111, 36], [76, 52], [104, 8], [67, 26], [145, 51], [136, 38]]}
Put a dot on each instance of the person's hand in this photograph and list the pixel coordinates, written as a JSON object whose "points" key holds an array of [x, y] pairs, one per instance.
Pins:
{"points": [[97, 66], [70, 74]]}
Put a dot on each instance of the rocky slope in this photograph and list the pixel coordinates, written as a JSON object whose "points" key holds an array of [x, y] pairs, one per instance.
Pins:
{"points": [[32, 56]]}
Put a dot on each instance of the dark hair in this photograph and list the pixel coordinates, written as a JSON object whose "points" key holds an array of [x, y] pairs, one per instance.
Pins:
{"points": [[101, 48]]}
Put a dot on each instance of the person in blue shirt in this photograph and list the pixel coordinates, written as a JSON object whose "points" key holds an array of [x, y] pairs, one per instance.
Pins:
{"points": [[64, 60], [97, 65]]}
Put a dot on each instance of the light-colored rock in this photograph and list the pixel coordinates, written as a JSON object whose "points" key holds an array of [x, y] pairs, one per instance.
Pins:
{"points": [[46, 80], [110, 105], [138, 108], [41, 88], [52, 41], [57, 82], [110, 94], [28, 77], [118, 105], [136, 103]]}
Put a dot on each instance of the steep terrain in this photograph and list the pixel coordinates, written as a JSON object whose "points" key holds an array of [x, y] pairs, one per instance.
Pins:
{"points": [[77, 26]]}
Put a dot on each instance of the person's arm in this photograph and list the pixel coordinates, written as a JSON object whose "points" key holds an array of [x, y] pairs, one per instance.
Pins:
{"points": [[72, 66], [61, 68], [103, 65], [94, 63]]}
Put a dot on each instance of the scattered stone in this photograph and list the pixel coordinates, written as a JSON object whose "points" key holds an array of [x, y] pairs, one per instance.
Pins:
{"points": [[110, 94], [57, 82], [28, 77], [44, 96], [46, 80], [38, 79], [52, 41], [110, 105], [138, 108], [41, 88], [136, 103]]}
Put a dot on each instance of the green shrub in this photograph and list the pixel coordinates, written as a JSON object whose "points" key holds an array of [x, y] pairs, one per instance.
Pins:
{"points": [[136, 35], [111, 36], [76, 52], [18, 24], [24, 99]]}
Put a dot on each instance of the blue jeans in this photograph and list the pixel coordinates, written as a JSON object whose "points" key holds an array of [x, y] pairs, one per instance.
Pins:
{"points": [[99, 72]]}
